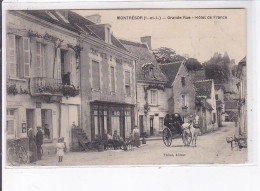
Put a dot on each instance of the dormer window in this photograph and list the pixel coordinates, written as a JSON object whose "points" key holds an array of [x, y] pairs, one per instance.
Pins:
{"points": [[151, 72], [108, 34]]}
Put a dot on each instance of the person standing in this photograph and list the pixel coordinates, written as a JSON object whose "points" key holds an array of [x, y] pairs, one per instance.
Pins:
{"points": [[32, 146], [136, 136], [39, 142], [60, 149]]}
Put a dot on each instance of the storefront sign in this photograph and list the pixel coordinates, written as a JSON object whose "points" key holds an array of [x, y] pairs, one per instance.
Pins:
{"points": [[38, 104], [23, 127]]}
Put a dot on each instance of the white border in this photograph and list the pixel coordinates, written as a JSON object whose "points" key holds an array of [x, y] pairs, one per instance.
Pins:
{"points": [[199, 177]]}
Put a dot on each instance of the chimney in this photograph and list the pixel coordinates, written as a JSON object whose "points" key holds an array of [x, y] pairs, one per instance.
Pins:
{"points": [[96, 18], [147, 40]]}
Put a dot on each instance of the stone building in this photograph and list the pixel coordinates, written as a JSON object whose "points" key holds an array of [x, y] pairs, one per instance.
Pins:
{"points": [[42, 75], [152, 101], [63, 71], [206, 105], [107, 82], [242, 88], [180, 89], [220, 104]]}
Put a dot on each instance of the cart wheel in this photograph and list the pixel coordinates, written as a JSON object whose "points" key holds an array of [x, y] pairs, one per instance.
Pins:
{"points": [[186, 138], [167, 137]]}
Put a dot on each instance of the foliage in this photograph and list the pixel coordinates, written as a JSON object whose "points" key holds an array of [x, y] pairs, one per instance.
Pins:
{"points": [[166, 55], [46, 36], [70, 91], [11, 89], [49, 88], [193, 64], [217, 68], [23, 91], [76, 49]]}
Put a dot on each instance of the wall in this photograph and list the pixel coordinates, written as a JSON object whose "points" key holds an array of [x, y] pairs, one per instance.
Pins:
{"points": [[88, 94], [20, 25], [188, 90]]}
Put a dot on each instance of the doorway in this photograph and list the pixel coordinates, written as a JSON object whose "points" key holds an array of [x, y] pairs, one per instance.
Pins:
{"points": [[141, 124], [151, 124], [30, 119]]}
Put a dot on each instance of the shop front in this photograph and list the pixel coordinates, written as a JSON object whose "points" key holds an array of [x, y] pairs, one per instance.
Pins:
{"points": [[106, 117]]}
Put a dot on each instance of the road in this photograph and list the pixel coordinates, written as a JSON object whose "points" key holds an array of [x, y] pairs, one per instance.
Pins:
{"points": [[212, 148]]}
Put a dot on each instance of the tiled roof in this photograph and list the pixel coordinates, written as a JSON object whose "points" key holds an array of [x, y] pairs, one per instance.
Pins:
{"points": [[170, 70], [231, 105], [203, 88], [76, 23], [197, 75], [218, 86], [203, 103], [144, 57]]}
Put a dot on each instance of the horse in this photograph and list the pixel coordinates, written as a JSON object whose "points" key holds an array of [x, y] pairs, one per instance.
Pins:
{"points": [[190, 129]]}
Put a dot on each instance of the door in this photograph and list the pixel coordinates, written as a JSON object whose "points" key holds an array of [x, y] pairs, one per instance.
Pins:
{"points": [[151, 124], [141, 124], [30, 119]]}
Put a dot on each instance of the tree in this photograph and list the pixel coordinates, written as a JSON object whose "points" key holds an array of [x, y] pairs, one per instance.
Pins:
{"points": [[193, 64], [166, 55], [217, 68]]}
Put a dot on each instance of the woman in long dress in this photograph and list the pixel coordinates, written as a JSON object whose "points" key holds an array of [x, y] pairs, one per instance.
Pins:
{"points": [[136, 136], [32, 146]]}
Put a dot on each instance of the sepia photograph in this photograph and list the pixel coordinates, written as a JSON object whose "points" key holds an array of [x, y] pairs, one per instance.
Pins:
{"points": [[125, 87]]}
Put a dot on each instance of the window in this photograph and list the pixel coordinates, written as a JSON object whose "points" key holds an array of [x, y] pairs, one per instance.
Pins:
{"points": [[112, 70], [151, 72], [160, 123], [19, 56], [10, 122], [216, 96], [65, 67], [40, 61], [127, 83], [153, 97], [95, 75], [183, 81], [183, 100]]}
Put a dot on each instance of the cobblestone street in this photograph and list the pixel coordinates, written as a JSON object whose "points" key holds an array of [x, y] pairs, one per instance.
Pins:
{"points": [[211, 148]]}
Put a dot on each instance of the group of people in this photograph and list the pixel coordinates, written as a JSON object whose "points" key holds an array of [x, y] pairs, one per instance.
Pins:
{"points": [[118, 141], [36, 141], [35, 144]]}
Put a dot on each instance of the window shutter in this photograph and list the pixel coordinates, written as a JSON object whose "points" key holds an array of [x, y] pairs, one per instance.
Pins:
{"points": [[26, 53], [58, 64], [38, 64], [12, 65]]}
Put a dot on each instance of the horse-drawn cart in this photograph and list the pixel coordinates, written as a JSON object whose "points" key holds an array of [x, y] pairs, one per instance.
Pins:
{"points": [[174, 127]]}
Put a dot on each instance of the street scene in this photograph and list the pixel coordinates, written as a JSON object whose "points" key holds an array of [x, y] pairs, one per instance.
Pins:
{"points": [[211, 149], [85, 88]]}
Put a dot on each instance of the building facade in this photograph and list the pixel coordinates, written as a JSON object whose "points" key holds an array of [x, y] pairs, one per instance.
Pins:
{"points": [[42, 75], [107, 83], [220, 104], [206, 104], [242, 88], [152, 101], [180, 89]]}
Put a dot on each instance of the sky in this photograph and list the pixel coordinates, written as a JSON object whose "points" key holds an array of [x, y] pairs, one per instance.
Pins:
{"points": [[197, 37]]}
